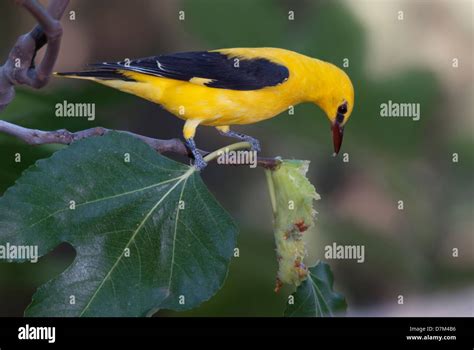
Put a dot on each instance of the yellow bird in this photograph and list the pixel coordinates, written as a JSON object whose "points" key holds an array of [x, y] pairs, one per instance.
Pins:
{"points": [[231, 86]]}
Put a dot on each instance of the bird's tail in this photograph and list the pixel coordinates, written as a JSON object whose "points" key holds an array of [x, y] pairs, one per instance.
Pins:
{"points": [[99, 73]]}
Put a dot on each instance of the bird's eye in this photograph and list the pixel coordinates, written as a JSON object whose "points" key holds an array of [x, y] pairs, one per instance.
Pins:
{"points": [[342, 108], [340, 118]]}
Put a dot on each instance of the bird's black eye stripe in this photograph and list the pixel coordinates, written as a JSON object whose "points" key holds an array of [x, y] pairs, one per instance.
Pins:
{"points": [[342, 108]]}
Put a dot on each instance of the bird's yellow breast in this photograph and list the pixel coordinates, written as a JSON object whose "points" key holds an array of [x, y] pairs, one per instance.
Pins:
{"points": [[217, 106]]}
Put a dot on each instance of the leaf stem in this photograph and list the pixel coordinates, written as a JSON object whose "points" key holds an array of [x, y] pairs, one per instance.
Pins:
{"points": [[271, 190], [235, 146]]}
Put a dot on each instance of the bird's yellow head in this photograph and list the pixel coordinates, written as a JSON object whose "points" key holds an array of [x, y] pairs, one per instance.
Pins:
{"points": [[336, 98]]}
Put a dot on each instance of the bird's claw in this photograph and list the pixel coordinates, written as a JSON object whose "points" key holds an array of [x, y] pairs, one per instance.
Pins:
{"points": [[254, 144], [199, 163]]}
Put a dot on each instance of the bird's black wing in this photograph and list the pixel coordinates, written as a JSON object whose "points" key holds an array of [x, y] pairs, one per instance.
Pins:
{"points": [[224, 72]]}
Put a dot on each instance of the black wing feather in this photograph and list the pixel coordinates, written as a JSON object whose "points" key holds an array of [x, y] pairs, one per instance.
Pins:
{"points": [[250, 74]]}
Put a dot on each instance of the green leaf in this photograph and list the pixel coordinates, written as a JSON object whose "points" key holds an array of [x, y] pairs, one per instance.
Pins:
{"points": [[315, 297], [147, 233]]}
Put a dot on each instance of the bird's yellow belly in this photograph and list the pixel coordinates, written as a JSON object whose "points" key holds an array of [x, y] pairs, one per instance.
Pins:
{"points": [[223, 107], [214, 106]]}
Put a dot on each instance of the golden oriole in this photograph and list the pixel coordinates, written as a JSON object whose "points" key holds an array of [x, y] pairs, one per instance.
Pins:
{"points": [[231, 86]]}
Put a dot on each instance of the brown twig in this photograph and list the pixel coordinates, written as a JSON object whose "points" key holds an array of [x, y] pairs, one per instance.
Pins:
{"points": [[65, 137], [20, 68]]}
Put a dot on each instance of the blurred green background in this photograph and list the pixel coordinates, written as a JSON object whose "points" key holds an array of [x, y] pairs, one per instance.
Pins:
{"points": [[407, 252]]}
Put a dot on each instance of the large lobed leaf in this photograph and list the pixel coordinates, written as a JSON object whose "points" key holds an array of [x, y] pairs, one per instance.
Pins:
{"points": [[315, 297], [147, 233]]}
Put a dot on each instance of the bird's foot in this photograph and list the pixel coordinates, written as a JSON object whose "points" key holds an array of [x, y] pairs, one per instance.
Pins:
{"points": [[254, 143], [199, 162]]}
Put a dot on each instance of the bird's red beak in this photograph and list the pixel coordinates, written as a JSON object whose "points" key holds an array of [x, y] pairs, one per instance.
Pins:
{"points": [[337, 134]]}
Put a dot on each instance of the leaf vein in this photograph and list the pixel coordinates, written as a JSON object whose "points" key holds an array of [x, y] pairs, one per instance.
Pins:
{"points": [[132, 238]]}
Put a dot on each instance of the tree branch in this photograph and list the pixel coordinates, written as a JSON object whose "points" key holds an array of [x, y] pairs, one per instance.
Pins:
{"points": [[19, 68], [65, 137]]}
